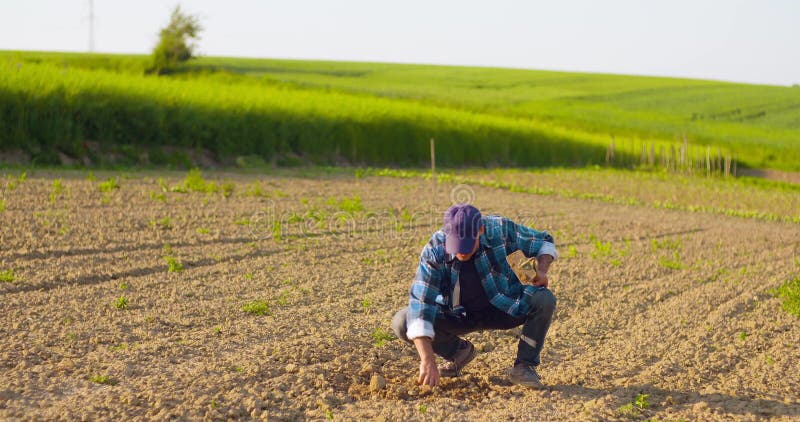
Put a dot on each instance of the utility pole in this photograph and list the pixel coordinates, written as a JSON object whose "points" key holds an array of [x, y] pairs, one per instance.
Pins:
{"points": [[91, 26]]}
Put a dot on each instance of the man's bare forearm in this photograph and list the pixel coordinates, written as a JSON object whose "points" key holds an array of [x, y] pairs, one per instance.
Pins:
{"points": [[543, 262], [424, 348]]}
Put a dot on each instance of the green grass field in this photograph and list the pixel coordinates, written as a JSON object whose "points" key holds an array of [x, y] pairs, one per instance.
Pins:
{"points": [[384, 114]]}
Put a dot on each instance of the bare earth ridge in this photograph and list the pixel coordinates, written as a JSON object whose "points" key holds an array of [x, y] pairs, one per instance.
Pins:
{"points": [[669, 304]]}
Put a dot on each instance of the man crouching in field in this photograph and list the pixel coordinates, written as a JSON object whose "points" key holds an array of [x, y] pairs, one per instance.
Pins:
{"points": [[465, 284]]}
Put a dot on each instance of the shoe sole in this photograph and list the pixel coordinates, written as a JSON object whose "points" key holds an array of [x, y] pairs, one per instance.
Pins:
{"points": [[531, 384]]}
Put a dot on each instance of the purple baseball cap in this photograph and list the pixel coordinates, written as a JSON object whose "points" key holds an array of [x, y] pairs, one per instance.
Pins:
{"points": [[461, 225]]}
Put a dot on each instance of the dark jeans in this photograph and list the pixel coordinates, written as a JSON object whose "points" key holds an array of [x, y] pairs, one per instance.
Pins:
{"points": [[448, 328]]}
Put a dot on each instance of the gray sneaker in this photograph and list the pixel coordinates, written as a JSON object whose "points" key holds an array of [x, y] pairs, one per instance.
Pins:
{"points": [[464, 355], [522, 374]]}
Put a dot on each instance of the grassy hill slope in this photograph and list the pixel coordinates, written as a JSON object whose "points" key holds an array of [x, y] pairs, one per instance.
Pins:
{"points": [[385, 113]]}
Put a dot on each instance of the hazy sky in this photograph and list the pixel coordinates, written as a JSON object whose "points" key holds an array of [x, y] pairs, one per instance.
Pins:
{"points": [[737, 40]]}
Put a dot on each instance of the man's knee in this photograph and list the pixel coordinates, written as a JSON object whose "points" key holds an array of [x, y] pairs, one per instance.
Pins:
{"points": [[544, 301], [399, 324]]}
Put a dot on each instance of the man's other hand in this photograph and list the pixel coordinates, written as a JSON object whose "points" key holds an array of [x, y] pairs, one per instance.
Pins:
{"points": [[428, 373], [540, 280]]}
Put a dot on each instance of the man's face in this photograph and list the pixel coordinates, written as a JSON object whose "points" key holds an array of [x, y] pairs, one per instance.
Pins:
{"points": [[467, 256]]}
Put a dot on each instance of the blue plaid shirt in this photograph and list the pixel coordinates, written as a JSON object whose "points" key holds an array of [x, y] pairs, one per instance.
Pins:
{"points": [[437, 274]]}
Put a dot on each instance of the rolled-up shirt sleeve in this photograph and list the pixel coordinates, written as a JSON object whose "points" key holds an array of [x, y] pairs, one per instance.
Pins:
{"points": [[422, 299], [530, 241]]}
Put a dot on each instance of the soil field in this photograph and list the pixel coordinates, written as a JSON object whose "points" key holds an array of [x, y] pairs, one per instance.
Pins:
{"points": [[132, 304]]}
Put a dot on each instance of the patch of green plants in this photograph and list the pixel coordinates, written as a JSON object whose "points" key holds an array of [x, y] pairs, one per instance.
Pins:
{"points": [[789, 293], [2, 205], [601, 249], [173, 264], [381, 337], [102, 379], [56, 190], [123, 286], [743, 335], [203, 230], [257, 307], [276, 231], [227, 189], [121, 303], [366, 304], [254, 189], [195, 182], [349, 205], [329, 414], [572, 252], [673, 263], [635, 408], [7, 276], [670, 244], [243, 222], [91, 177], [422, 409], [121, 346], [109, 185], [164, 223], [158, 196]]}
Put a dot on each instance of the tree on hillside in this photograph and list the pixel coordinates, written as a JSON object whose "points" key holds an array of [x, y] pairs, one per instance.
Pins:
{"points": [[175, 41]]}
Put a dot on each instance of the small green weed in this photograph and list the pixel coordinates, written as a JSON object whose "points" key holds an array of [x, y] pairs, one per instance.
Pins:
{"points": [[254, 189], [165, 223], [366, 304], [670, 244], [243, 222], [121, 346], [109, 185], [328, 414], [276, 231], [635, 408], [2, 205], [256, 307], [641, 401], [214, 404], [380, 337], [7, 276], [91, 177], [173, 264], [248, 276], [572, 252], [194, 182], [218, 330], [102, 379], [123, 286], [348, 205], [423, 408], [121, 303], [673, 264], [601, 249], [57, 189], [203, 230], [743, 335], [790, 293], [227, 189], [158, 196]]}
